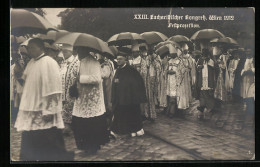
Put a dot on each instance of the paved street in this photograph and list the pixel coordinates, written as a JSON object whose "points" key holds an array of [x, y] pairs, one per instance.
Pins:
{"points": [[225, 135]]}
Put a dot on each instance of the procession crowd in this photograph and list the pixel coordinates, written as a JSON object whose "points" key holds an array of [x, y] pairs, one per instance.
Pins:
{"points": [[65, 81], [61, 86]]}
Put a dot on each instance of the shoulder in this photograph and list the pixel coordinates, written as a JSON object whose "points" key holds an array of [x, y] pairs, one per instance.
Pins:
{"points": [[49, 61]]}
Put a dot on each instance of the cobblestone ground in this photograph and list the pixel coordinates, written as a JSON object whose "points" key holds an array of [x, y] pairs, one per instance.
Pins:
{"points": [[178, 138]]}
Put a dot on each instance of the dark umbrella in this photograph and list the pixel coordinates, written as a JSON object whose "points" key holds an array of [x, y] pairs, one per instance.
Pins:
{"points": [[91, 42], [125, 38], [154, 37], [226, 40], [52, 36], [25, 22], [207, 34]]}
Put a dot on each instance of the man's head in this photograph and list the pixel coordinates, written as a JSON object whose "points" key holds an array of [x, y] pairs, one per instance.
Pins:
{"points": [[35, 47], [121, 58], [136, 50], [185, 48]]}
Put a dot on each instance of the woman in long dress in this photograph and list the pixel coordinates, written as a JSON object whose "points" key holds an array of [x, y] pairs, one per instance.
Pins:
{"points": [[88, 119]]}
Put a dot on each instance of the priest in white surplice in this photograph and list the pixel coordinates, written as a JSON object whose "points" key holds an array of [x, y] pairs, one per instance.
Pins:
{"points": [[39, 116]]}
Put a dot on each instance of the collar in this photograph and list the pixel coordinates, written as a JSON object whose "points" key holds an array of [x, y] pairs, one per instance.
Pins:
{"points": [[70, 59], [37, 58]]}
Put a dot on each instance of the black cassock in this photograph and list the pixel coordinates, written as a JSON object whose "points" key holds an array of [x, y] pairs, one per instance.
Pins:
{"points": [[128, 91]]}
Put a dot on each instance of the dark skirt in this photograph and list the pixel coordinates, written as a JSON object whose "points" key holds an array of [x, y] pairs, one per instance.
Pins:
{"points": [[90, 133], [44, 145], [207, 99], [127, 119]]}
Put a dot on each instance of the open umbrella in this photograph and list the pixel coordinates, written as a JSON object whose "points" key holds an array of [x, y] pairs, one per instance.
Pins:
{"points": [[125, 38], [114, 50], [52, 36], [207, 34], [167, 42], [180, 39], [91, 42], [25, 22], [154, 37], [225, 40]]}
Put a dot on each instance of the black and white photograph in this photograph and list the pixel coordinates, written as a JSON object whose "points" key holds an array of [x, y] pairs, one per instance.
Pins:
{"points": [[132, 84]]}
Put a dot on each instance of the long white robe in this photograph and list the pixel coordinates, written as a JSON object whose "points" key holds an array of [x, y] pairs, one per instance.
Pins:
{"points": [[41, 96]]}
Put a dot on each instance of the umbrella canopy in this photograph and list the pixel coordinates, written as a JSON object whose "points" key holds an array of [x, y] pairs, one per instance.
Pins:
{"points": [[125, 38], [225, 40], [52, 36], [25, 22], [207, 34], [91, 42], [180, 39], [167, 42], [154, 37], [114, 50]]}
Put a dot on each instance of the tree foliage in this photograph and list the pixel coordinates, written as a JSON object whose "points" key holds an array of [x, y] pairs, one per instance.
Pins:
{"points": [[105, 22]]}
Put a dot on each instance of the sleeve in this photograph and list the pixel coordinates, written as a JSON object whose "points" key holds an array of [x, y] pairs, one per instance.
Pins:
{"points": [[52, 104], [89, 79], [50, 77], [105, 71]]}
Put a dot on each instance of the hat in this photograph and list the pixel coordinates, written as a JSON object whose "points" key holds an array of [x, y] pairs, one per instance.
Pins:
{"points": [[67, 47], [122, 53]]}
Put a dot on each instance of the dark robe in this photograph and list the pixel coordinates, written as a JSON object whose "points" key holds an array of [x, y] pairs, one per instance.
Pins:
{"points": [[128, 92], [44, 145], [206, 97], [238, 77], [130, 87], [211, 75]]}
